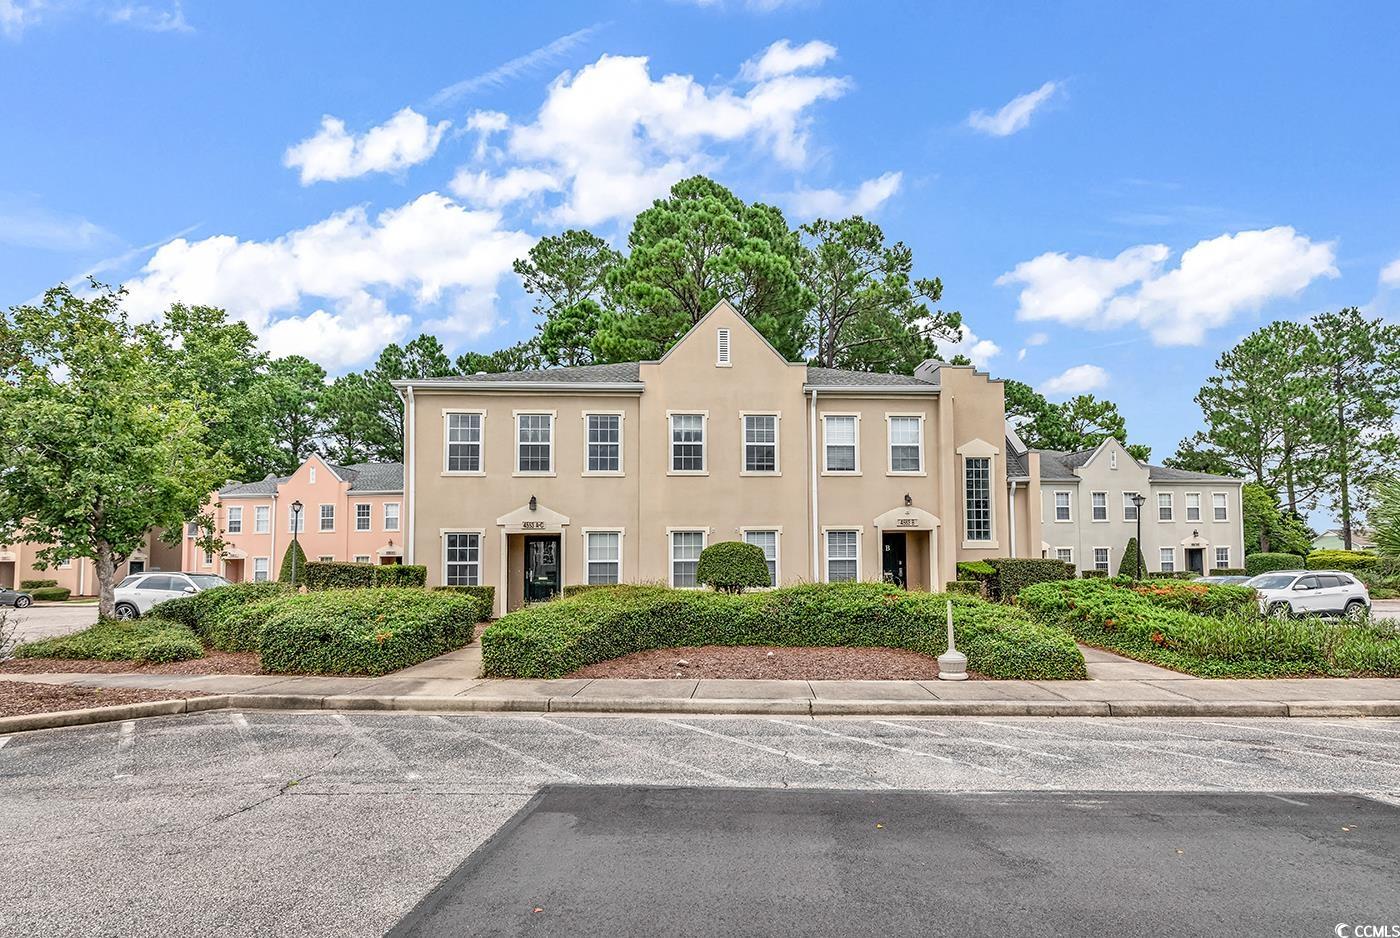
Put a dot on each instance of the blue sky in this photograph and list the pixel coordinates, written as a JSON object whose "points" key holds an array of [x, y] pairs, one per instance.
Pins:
{"points": [[1111, 196]]}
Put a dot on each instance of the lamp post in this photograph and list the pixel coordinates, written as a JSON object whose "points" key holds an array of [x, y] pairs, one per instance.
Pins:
{"points": [[296, 529], [1138, 501]]}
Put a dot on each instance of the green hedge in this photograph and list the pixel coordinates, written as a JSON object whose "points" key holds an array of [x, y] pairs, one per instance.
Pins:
{"points": [[36, 584], [364, 631], [975, 570], [1013, 574], [1233, 644], [217, 615], [1205, 598], [1093, 574], [401, 574], [293, 553], [732, 567], [1351, 560], [1255, 564], [1228, 571], [554, 639], [142, 640], [484, 595], [1131, 564], [55, 594], [328, 575], [966, 587]]}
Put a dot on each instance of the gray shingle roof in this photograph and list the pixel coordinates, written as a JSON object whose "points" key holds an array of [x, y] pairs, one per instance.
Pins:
{"points": [[1017, 464], [1053, 467], [842, 378], [266, 486], [373, 476], [620, 373], [1059, 467], [1165, 474]]}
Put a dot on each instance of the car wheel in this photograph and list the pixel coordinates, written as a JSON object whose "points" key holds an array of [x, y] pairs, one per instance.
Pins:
{"points": [[1280, 610], [127, 611], [1356, 611], [22, 602]]}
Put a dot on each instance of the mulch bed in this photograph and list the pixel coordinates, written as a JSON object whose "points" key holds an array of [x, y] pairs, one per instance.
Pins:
{"points": [[769, 663], [213, 662], [21, 697]]}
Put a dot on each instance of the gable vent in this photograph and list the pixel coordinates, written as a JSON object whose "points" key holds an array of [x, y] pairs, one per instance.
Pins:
{"points": [[722, 347]]}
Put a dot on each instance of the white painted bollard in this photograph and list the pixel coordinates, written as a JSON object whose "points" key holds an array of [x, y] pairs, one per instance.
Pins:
{"points": [[952, 664]]}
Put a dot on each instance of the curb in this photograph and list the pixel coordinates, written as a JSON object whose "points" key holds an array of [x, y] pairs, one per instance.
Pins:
{"points": [[152, 708]]}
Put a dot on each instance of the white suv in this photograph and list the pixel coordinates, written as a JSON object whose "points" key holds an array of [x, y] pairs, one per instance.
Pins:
{"points": [[139, 592], [1311, 593]]}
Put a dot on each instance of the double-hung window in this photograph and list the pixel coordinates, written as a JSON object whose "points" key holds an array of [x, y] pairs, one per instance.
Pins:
{"points": [[1098, 506], [840, 432], [1222, 558], [262, 519], [1193, 506], [534, 446], [363, 516], [1167, 559], [464, 442], [1064, 554], [1164, 506], [327, 517], [235, 520], [1062, 506], [1130, 510], [688, 443], [604, 556], [760, 443], [391, 516], [261, 566], [296, 521], [604, 442], [462, 565], [768, 541], [685, 556], [906, 444], [1220, 506], [362, 558], [842, 556], [977, 484], [1101, 559]]}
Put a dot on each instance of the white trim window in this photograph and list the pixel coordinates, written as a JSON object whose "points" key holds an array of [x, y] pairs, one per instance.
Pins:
{"points": [[768, 541], [1101, 558], [761, 444], [685, 557], [534, 444], [722, 349], [235, 520], [688, 443], [296, 521], [1166, 559], [906, 439], [262, 567], [1220, 506], [1164, 506], [1064, 554], [364, 516], [604, 556], [327, 518], [209, 558], [391, 516], [603, 439], [842, 555], [1063, 501], [977, 494], [262, 519], [463, 451], [1193, 506], [840, 441], [1222, 558], [1098, 506], [326, 558], [1130, 509], [362, 558], [461, 558]]}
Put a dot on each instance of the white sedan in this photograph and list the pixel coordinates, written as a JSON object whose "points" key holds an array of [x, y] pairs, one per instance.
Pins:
{"points": [[139, 592], [1312, 593]]}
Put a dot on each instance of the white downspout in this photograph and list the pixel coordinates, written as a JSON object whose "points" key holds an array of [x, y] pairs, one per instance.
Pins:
{"points": [[1011, 517], [410, 442], [273, 573], [816, 514]]}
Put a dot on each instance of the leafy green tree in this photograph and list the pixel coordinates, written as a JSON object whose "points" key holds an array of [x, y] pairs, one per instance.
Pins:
{"points": [[294, 403], [516, 357], [1131, 564], [687, 252], [1385, 516], [1080, 423], [98, 445], [568, 274], [293, 564], [365, 411], [1090, 421], [1268, 528], [1199, 460], [868, 312]]}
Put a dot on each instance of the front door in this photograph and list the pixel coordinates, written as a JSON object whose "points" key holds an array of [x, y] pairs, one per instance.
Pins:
{"points": [[1196, 560], [893, 559], [541, 568]]}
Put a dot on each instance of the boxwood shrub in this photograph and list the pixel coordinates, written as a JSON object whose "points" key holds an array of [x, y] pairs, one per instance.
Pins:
{"points": [[218, 616], [1352, 560], [54, 594], [484, 595], [1015, 573], [327, 574], [553, 639], [364, 631], [966, 587], [732, 567], [36, 584], [142, 640], [1255, 564]]}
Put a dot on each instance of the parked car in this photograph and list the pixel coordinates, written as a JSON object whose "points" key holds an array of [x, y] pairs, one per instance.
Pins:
{"points": [[1222, 580], [1311, 593], [17, 598], [139, 592]]}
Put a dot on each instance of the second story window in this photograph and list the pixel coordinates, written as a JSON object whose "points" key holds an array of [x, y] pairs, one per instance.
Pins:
{"points": [[235, 520], [840, 443], [1220, 506], [1129, 507], [1164, 506], [760, 443], [391, 516], [1062, 511], [687, 442], [464, 442], [362, 517], [906, 444], [327, 517], [978, 472], [604, 442], [1098, 505], [262, 519], [1193, 506], [534, 443], [296, 521]]}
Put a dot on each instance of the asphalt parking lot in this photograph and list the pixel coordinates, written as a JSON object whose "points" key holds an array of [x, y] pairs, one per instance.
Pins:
{"points": [[340, 824], [49, 620]]}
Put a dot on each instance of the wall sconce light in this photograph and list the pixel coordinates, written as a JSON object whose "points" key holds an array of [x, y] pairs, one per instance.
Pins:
{"points": [[534, 503]]}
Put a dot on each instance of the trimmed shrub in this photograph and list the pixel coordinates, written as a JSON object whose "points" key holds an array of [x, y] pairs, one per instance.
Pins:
{"points": [[214, 614], [338, 574], [966, 587], [1015, 573], [36, 584], [143, 640], [732, 567], [401, 574], [294, 558], [484, 595], [1227, 571], [1197, 597], [975, 570], [1351, 560], [553, 639], [1132, 560], [364, 631], [578, 589], [1256, 564], [1093, 574], [54, 594]]}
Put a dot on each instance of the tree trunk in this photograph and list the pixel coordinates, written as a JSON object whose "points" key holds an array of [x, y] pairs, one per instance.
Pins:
{"points": [[1342, 463], [106, 568]]}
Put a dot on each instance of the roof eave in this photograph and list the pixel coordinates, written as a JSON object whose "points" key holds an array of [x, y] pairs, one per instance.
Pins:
{"points": [[615, 386], [870, 389]]}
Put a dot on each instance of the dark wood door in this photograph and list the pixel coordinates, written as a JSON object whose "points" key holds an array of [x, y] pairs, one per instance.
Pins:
{"points": [[541, 568], [893, 561], [1196, 560]]}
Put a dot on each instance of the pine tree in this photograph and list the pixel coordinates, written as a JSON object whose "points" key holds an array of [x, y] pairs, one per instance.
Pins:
{"points": [[1129, 565], [293, 559]]}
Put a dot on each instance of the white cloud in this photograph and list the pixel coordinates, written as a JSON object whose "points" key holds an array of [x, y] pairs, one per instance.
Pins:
{"points": [[1015, 114], [1390, 273], [832, 203], [36, 227], [1214, 281], [427, 253], [979, 350], [405, 140], [481, 188], [1080, 379], [18, 15], [520, 65], [151, 18], [783, 58], [1032, 340]]}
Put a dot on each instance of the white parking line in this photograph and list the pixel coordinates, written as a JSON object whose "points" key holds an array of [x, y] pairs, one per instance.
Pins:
{"points": [[1108, 742], [901, 749], [126, 739], [509, 750], [363, 737], [971, 739], [642, 752], [1328, 739], [1300, 752], [3, 741], [751, 745], [1360, 725]]}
